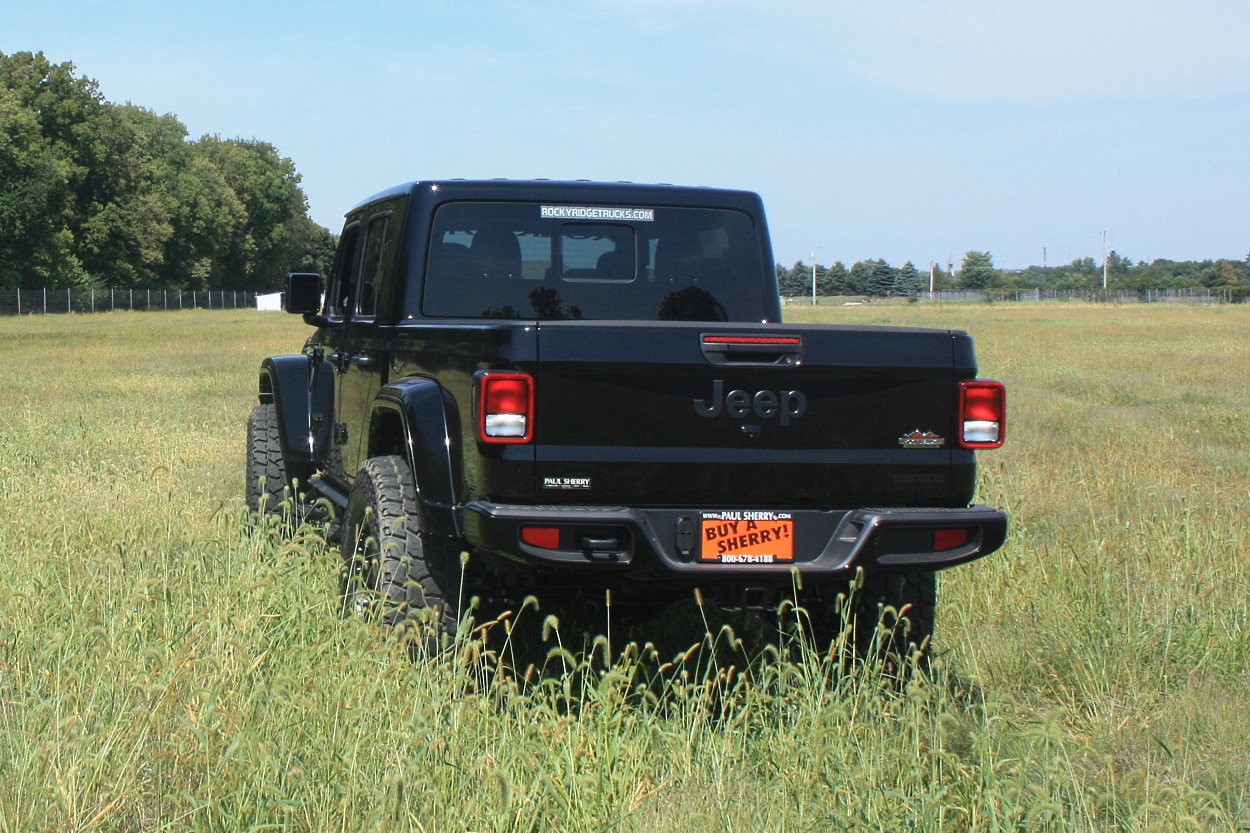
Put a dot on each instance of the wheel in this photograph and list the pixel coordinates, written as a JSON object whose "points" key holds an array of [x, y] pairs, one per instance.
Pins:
{"points": [[393, 573], [888, 617], [894, 614], [268, 482]]}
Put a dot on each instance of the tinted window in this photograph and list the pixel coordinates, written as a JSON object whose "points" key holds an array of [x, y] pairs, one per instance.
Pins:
{"points": [[371, 268], [339, 295], [597, 252], [525, 260]]}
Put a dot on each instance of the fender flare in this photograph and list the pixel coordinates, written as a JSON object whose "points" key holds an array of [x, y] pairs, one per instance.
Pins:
{"points": [[299, 389], [418, 418]]}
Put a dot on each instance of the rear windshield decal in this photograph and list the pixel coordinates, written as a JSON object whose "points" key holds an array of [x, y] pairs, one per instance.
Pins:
{"points": [[597, 212]]}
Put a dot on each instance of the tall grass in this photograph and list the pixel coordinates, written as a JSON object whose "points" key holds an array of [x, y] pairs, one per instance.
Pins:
{"points": [[165, 665]]}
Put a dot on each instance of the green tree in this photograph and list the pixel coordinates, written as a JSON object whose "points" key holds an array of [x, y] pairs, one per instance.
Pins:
{"points": [[1083, 266], [977, 271], [860, 277], [126, 211], [881, 279], [44, 109], [1224, 274], [910, 280], [942, 279], [35, 248], [791, 280], [1074, 280], [114, 211], [1117, 265], [834, 280], [94, 193], [797, 280], [207, 216], [276, 233]]}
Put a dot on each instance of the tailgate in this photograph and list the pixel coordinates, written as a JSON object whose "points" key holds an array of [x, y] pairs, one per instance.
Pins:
{"points": [[779, 415]]}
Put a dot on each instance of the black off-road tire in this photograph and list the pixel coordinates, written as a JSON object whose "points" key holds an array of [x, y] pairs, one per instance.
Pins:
{"points": [[268, 481], [393, 573], [895, 615], [888, 619]]}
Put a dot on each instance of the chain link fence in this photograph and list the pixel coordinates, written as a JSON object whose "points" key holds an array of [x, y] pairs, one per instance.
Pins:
{"points": [[53, 301], [1196, 297]]}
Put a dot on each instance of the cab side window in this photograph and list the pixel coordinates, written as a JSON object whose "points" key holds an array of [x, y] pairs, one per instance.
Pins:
{"points": [[377, 236], [342, 281]]}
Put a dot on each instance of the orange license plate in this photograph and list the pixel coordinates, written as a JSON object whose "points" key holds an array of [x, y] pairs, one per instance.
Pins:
{"points": [[741, 536]]}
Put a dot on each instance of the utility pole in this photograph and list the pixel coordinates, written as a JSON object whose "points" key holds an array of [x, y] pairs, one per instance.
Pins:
{"points": [[1104, 260], [814, 248], [932, 277]]}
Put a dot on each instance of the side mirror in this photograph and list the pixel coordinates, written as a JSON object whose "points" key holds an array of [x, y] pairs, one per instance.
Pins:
{"points": [[303, 293]]}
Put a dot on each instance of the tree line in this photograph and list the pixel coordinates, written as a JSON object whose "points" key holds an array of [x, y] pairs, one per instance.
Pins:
{"points": [[977, 271], [98, 194], [867, 277]]}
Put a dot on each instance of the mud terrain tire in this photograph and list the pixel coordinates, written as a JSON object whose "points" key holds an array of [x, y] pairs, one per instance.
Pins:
{"points": [[895, 614], [393, 573], [266, 463]]}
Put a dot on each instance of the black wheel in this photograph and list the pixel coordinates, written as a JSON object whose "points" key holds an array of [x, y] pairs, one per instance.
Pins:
{"points": [[268, 482], [393, 573], [894, 615], [888, 616]]}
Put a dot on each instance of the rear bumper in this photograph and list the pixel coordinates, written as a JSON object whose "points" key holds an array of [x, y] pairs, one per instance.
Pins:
{"points": [[657, 542]]}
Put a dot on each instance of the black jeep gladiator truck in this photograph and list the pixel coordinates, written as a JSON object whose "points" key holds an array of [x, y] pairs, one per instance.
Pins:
{"points": [[588, 387]]}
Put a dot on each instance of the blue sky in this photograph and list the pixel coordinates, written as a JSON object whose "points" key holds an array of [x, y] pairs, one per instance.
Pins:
{"points": [[903, 129]]}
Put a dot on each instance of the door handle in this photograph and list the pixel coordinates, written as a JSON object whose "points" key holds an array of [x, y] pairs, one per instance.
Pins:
{"points": [[752, 350]]}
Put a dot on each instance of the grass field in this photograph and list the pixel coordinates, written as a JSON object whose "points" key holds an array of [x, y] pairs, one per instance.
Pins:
{"points": [[164, 665]]}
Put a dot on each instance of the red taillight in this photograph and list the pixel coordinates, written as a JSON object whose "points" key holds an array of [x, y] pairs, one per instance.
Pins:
{"points": [[982, 414], [791, 340], [545, 537], [949, 539], [506, 408]]}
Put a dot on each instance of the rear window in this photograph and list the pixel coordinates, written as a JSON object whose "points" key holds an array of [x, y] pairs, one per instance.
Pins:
{"points": [[551, 262]]}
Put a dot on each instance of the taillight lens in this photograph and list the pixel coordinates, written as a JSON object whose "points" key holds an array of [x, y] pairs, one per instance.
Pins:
{"points": [[544, 537], [982, 414], [506, 408], [950, 539]]}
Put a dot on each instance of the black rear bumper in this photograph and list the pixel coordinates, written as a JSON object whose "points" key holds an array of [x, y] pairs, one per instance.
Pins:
{"points": [[655, 542]]}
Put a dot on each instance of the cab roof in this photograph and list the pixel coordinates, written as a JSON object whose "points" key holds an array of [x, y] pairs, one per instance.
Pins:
{"points": [[611, 193]]}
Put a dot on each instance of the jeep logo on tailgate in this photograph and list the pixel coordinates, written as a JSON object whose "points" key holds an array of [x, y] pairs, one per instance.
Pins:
{"points": [[765, 404]]}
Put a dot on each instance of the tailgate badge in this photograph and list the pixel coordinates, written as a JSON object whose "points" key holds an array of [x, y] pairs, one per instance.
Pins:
{"points": [[921, 439], [783, 405], [567, 483]]}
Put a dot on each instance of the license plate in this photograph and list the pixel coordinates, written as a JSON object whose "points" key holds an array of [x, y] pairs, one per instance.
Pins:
{"points": [[746, 537]]}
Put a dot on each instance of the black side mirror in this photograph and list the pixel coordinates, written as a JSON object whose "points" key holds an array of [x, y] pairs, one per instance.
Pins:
{"points": [[303, 293]]}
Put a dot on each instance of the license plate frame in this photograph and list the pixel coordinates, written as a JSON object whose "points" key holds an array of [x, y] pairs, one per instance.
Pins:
{"points": [[746, 537]]}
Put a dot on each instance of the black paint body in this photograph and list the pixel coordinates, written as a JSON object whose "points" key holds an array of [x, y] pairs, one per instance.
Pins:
{"points": [[638, 424]]}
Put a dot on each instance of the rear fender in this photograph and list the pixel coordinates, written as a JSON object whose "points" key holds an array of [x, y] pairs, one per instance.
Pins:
{"points": [[303, 393], [418, 419]]}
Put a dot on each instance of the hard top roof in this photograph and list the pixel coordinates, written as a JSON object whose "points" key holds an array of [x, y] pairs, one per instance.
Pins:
{"points": [[576, 191]]}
